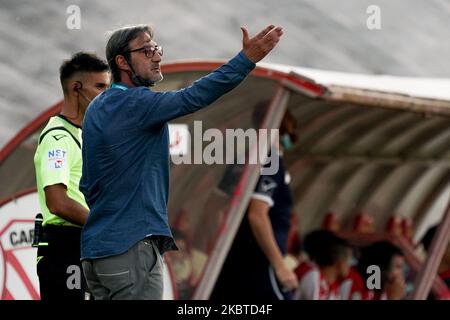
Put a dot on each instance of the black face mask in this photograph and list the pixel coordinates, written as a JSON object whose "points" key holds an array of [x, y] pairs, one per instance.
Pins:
{"points": [[138, 80]]}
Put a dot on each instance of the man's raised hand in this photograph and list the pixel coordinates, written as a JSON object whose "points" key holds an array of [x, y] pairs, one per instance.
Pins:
{"points": [[259, 46]]}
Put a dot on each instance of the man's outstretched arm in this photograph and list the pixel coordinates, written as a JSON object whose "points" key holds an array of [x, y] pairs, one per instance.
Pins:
{"points": [[165, 106]]}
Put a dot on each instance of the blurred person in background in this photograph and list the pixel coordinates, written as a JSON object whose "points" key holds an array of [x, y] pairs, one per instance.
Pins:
{"points": [[58, 165], [444, 265], [255, 266], [126, 159], [187, 262], [389, 258], [330, 258]]}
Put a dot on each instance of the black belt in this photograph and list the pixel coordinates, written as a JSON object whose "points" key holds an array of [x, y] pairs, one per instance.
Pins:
{"points": [[60, 235]]}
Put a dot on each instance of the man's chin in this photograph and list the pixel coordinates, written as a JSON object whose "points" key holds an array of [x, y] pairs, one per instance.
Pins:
{"points": [[157, 78]]}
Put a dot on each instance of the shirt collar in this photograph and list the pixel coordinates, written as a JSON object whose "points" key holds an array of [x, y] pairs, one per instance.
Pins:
{"points": [[120, 85], [67, 120]]}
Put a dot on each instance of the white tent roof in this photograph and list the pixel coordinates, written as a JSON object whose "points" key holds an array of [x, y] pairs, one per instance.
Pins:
{"points": [[432, 88]]}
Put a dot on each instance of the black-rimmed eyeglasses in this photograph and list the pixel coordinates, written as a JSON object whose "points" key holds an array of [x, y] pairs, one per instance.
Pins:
{"points": [[148, 51]]}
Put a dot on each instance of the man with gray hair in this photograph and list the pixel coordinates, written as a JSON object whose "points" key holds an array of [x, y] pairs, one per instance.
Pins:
{"points": [[126, 159]]}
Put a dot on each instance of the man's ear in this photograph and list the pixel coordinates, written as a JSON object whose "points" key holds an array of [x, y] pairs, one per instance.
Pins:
{"points": [[74, 86], [122, 63]]}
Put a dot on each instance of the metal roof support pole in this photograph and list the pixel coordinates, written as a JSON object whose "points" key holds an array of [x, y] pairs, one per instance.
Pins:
{"points": [[425, 277], [272, 119]]}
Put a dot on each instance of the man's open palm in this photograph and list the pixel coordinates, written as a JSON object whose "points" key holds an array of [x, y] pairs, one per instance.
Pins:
{"points": [[259, 46]]}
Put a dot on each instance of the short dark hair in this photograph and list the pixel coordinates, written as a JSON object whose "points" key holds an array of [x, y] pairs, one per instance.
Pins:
{"points": [[380, 254], [325, 248], [118, 45], [80, 62]]}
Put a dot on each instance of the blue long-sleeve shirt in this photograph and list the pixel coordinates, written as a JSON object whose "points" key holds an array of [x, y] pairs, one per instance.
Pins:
{"points": [[125, 177]]}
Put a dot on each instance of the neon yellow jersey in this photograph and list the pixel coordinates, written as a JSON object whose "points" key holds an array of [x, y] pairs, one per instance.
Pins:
{"points": [[58, 161]]}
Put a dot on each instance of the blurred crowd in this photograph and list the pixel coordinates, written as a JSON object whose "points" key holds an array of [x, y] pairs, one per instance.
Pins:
{"points": [[270, 260]]}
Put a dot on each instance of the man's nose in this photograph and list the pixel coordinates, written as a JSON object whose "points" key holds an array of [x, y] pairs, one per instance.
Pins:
{"points": [[156, 57]]}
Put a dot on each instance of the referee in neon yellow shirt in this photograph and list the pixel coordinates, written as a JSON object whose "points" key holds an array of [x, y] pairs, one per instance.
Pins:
{"points": [[58, 165]]}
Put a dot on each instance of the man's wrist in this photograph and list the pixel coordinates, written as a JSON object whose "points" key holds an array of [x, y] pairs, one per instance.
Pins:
{"points": [[279, 264], [249, 63]]}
